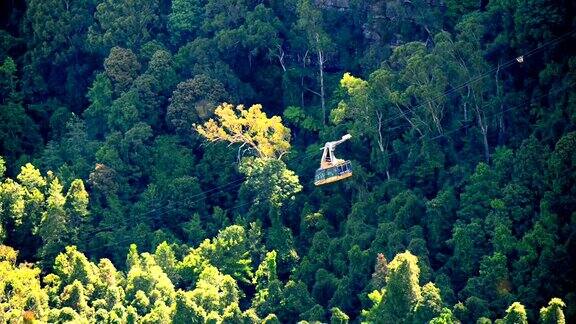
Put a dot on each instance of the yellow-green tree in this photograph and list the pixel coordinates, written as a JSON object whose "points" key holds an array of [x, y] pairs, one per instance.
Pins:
{"points": [[515, 314], [402, 293], [21, 296], [34, 204], [402, 300], [268, 178], [248, 127], [553, 314]]}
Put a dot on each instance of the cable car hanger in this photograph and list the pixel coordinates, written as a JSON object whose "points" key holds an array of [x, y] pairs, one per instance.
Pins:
{"points": [[332, 169]]}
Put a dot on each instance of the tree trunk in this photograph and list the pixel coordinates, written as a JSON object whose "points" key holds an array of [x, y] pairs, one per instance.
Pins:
{"points": [[484, 131], [302, 88], [381, 142], [486, 148], [302, 92], [280, 56], [466, 112], [501, 124], [321, 66], [403, 114]]}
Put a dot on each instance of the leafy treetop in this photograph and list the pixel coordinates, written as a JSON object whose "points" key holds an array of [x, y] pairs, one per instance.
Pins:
{"points": [[267, 136]]}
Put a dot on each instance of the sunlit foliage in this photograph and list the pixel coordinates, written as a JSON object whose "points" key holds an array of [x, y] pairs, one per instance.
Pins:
{"points": [[134, 192], [251, 127]]}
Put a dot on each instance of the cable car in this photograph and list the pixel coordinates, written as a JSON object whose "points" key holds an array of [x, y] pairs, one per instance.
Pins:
{"points": [[332, 169]]}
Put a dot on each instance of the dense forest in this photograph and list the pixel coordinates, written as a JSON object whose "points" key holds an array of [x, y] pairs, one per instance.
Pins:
{"points": [[158, 159]]}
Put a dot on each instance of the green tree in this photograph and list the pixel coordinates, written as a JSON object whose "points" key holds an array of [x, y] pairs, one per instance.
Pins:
{"points": [[214, 294], [430, 306], [440, 214], [269, 181], [2, 168], [166, 259], [402, 293], [100, 97], [481, 189], [296, 300], [37, 205], [465, 62], [56, 33], [445, 317], [368, 108], [126, 23], [8, 80], [185, 19], [420, 77], [310, 23], [338, 316], [194, 101], [123, 113], [74, 296], [72, 266], [260, 33], [268, 295], [122, 67], [228, 252], [515, 314], [147, 284], [493, 283], [560, 172], [468, 242], [18, 132], [186, 311]]}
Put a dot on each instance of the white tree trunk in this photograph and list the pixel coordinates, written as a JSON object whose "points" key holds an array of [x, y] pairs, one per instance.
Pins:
{"points": [[321, 67], [484, 130], [381, 141]]}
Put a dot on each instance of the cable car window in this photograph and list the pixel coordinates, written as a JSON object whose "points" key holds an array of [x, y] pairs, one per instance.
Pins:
{"points": [[331, 172]]}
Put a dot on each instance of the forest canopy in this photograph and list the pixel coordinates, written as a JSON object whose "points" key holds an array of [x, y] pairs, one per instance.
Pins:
{"points": [[157, 161]]}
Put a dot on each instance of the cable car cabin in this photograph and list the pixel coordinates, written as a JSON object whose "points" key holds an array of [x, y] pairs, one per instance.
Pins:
{"points": [[333, 174], [332, 169]]}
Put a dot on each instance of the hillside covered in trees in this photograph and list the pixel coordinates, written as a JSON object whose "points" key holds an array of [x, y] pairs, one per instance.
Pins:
{"points": [[158, 158]]}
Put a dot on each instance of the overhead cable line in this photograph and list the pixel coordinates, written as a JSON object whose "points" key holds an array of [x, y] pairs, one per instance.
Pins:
{"points": [[445, 94], [387, 155], [475, 79], [238, 182]]}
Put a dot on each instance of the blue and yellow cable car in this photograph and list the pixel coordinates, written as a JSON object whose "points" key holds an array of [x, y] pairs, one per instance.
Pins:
{"points": [[332, 169]]}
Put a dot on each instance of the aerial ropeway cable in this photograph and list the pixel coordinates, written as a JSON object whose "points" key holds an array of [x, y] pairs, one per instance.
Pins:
{"points": [[222, 187], [236, 183]]}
